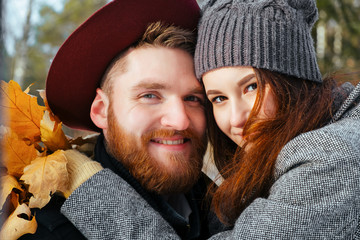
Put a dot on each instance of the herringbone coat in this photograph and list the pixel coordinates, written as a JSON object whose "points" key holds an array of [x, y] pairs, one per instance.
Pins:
{"points": [[316, 194]]}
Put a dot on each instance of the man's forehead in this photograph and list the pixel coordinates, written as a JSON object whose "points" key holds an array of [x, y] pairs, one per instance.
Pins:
{"points": [[156, 68], [157, 84]]}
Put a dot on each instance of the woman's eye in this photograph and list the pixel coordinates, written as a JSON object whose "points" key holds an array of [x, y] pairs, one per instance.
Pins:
{"points": [[218, 99], [251, 87]]}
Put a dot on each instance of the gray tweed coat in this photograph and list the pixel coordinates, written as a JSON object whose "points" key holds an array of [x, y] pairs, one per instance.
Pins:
{"points": [[316, 194]]}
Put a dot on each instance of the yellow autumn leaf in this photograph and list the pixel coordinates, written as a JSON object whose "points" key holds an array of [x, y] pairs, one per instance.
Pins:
{"points": [[17, 154], [23, 110], [14, 201], [8, 183], [52, 134], [42, 94], [27, 90], [53, 117], [46, 175], [85, 144], [15, 226]]}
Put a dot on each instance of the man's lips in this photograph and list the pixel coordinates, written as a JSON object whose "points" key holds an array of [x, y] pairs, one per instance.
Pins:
{"points": [[177, 141]]}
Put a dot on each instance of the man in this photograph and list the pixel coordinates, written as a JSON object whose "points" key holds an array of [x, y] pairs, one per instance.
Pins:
{"points": [[136, 84]]}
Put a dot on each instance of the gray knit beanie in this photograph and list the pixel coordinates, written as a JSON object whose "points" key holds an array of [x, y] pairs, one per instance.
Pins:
{"points": [[268, 34]]}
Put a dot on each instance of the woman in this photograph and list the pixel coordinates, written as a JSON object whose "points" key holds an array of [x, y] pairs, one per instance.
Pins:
{"points": [[258, 66], [286, 141]]}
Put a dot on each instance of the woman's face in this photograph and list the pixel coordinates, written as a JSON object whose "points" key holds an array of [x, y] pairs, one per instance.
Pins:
{"points": [[232, 92]]}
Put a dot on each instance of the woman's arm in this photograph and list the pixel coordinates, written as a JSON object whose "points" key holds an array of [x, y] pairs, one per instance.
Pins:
{"points": [[315, 196], [107, 207]]}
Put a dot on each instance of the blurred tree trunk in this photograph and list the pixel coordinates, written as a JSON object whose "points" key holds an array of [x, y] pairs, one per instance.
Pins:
{"points": [[3, 67], [21, 50]]}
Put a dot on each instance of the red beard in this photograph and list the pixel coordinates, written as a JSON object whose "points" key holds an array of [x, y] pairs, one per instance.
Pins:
{"points": [[152, 174]]}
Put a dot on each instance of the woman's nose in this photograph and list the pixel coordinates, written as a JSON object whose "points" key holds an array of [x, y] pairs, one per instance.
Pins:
{"points": [[239, 115]]}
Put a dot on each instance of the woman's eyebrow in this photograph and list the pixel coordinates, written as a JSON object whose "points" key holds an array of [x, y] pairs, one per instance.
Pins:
{"points": [[241, 82], [245, 79]]}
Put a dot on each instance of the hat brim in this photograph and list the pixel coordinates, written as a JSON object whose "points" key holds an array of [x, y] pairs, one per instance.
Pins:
{"points": [[81, 61]]}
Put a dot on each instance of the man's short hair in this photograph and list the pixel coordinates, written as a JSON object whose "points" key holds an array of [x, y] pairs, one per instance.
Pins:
{"points": [[157, 34]]}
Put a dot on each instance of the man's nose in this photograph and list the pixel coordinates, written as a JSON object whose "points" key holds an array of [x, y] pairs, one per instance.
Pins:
{"points": [[175, 115]]}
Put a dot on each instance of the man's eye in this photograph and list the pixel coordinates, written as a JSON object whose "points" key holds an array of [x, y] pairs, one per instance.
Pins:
{"points": [[149, 95], [218, 99], [251, 87], [193, 99], [150, 98]]}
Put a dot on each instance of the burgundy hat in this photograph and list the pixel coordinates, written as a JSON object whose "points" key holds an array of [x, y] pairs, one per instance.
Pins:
{"points": [[81, 61]]}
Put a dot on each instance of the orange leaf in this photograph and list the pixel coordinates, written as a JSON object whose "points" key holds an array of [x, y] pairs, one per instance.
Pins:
{"points": [[52, 134], [42, 94], [53, 117], [46, 175], [8, 183], [23, 110], [17, 154], [15, 226], [14, 201]]}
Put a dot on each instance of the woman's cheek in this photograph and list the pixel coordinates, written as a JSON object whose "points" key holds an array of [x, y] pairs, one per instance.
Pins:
{"points": [[221, 120]]}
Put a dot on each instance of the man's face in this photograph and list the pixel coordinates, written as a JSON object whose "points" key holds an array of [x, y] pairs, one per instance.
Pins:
{"points": [[156, 120]]}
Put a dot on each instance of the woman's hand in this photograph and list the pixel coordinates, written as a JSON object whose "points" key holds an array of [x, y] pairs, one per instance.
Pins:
{"points": [[80, 168]]}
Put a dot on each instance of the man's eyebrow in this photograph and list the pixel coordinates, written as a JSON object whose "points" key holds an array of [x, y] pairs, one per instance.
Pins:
{"points": [[198, 90], [147, 85]]}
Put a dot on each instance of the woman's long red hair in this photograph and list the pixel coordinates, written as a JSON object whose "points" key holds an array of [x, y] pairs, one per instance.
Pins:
{"points": [[301, 106]]}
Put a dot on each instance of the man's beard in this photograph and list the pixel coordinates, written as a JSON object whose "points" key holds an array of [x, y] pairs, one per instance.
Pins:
{"points": [[177, 175]]}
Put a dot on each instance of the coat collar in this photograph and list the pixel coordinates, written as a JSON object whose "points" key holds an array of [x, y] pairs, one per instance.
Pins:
{"points": [[352, 100]]}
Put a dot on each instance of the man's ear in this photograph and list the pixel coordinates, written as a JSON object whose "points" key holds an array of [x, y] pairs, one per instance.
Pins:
{"points": [[99, 109]]}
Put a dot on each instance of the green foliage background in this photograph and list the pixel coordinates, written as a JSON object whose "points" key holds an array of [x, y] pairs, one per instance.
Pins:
{"points": [[339, 18], [49, 34]]}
